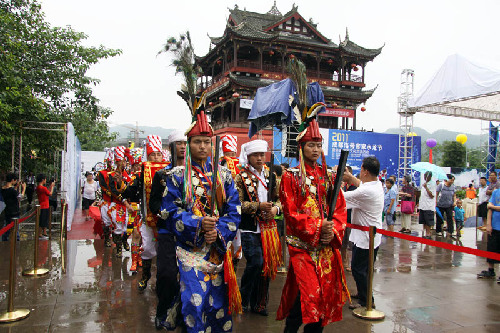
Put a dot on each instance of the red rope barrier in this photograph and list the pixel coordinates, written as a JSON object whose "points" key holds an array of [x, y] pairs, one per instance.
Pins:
{"points": [[443, 245], [11, 224]]}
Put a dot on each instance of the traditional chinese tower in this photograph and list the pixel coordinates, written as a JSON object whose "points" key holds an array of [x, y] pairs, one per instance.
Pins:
{"points": [[252, 53]]}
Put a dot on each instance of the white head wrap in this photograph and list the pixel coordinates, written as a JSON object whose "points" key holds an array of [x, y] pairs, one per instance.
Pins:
{"points": [[175, 136], [255, 146]]}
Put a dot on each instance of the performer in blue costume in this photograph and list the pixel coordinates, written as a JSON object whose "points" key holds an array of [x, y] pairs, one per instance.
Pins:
{"points": [[209, 290]]}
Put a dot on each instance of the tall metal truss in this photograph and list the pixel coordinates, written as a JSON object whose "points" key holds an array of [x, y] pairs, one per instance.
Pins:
{"points": [[488, 147], [405, 125]]}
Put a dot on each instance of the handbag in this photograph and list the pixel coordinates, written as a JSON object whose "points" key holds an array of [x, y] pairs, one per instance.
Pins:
{"points": [[407, 207]]}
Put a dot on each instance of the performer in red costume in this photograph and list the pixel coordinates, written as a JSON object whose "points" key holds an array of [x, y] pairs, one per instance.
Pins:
{"points": [[229, 149], [315, 289], [118, 209], [106, 196]]}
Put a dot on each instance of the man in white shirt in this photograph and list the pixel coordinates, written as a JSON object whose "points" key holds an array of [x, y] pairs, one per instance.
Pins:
{"points": [[367, 203], [427, 204], [483, 198]]}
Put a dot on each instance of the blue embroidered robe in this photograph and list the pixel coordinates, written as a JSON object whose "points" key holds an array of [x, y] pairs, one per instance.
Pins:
{"points": [[203, 291]]}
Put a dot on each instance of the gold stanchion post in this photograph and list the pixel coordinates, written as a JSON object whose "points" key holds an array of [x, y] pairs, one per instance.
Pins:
{"points": [[36, 271], [477, 213], [368, 312], [50, 222], [11, 314], [63, 216], [64, 209]]}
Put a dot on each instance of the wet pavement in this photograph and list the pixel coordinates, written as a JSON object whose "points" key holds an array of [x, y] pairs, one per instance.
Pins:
{"points": [[418, 287]]}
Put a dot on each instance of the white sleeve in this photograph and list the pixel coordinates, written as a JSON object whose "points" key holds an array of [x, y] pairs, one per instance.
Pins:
{"points": [[355, 199]]}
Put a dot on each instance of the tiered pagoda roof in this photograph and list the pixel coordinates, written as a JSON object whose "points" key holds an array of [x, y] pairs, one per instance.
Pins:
{"points": [[257, 26]]}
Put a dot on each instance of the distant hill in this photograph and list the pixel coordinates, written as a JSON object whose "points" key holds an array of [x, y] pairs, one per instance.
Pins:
{"points": [[125, 134], [473, 140]]}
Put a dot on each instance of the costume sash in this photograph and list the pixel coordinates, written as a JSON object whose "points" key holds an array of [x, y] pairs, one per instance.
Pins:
{"points": [[271, 245], [149, 170], [232, 165], [134, 218]]}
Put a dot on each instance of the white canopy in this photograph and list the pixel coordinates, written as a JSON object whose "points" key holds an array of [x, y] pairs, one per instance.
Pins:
{"points": [[461, 88]]}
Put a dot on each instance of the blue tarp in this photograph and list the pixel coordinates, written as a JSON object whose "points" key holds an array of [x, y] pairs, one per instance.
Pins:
{"points": [[271, 107]]}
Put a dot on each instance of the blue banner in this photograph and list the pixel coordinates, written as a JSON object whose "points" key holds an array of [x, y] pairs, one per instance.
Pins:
{"points": [[385, 147]]}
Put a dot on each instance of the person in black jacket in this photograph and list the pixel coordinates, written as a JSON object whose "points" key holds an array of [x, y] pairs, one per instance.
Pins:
{"points": [[11, 198], [257, 217]]}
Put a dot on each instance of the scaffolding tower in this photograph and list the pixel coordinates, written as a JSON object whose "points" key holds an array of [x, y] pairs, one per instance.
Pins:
{"points": [[287, 147], [489, 145], [405, 125]]}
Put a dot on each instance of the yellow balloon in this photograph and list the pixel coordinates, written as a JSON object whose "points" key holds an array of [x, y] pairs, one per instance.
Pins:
{"points": [[411, 134], [461, 138]]}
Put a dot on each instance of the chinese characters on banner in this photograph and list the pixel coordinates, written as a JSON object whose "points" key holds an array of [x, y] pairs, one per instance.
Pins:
{"points": [[360, 145]]}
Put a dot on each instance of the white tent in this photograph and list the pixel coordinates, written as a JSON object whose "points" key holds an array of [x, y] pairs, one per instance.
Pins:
{"points": [[461, 88]]}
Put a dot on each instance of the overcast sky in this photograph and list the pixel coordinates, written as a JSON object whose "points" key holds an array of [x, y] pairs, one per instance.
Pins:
{"points": [[141, 86]]}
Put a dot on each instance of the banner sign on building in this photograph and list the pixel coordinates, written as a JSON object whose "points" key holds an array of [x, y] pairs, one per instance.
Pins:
{"points": [[246, 103], [331, 112], [385, 147]]}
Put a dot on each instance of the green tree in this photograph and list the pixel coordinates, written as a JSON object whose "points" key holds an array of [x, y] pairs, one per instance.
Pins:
{"points": [[475, 158], [453, 154], [43, 78]]}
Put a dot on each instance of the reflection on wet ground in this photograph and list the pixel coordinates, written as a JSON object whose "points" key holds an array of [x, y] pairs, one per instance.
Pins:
{"points": [[420, 289]]}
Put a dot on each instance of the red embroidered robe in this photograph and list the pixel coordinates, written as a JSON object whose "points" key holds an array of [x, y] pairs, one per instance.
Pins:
{"points": [[315, 270]]}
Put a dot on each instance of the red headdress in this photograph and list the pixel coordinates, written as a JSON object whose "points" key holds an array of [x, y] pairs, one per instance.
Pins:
{"points": [[120, 153], [153, 143], [200, 125], [229, 143]]}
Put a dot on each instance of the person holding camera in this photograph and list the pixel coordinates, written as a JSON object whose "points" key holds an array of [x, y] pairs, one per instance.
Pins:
{"points": [[43, 194]]}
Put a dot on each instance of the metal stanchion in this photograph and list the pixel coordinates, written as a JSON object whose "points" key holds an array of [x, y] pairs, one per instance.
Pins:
{"points": [[477, 213], [11, 314], [368, 312], [36, 271], [50, 222], [63, 218], [64, 211]]}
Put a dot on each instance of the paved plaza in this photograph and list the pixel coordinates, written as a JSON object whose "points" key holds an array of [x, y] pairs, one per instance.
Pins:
{"points": [[418, 287]]}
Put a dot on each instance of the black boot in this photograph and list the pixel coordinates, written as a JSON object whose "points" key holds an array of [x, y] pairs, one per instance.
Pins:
{"points": [[117, 239], [313, 328], [107, 241], [146, 274], [126, 247]]}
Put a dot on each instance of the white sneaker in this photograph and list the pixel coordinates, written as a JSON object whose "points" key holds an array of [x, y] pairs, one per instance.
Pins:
{"points": [[42, 237]]}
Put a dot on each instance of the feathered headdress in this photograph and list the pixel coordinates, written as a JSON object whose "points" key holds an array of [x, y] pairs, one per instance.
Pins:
{"points": [[183, 60], [305, 115]]}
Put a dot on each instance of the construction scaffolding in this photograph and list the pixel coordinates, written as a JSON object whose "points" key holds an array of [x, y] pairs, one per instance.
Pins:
{"points": [[287, 147], [405, 125]]}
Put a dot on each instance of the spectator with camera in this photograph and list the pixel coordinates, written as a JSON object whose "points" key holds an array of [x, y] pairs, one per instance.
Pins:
{"points": [[43, 194]]}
